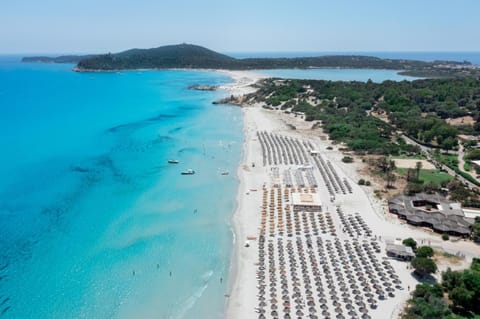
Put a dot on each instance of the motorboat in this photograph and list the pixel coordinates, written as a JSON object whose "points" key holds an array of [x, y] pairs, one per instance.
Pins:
{"points": [[188, 172]]}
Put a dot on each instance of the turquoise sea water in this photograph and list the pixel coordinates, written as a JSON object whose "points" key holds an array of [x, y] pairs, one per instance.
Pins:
{"points": [[92, 218], [337, 74]]}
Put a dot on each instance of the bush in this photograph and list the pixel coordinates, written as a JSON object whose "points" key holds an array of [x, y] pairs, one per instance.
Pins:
{"points": [[361, 181], [367, 183], [424, 252], [347, 159], [410, 242], [445, 237]]}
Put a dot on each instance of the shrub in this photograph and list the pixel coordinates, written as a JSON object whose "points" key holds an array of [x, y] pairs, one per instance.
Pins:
{"points": [[410, 242], [347, 159], [424, 252], [367, 183], [361, 181], [445, 237]]}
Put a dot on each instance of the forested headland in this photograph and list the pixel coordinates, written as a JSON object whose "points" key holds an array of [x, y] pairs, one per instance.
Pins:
{"points": [[197, 57]]}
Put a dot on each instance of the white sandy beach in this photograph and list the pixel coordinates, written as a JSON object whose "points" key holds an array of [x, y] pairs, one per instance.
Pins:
{"points": [[242, 297]]}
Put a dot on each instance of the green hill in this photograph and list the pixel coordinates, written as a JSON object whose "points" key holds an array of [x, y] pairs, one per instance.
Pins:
{"points": [[197, 57], [170, 56]]}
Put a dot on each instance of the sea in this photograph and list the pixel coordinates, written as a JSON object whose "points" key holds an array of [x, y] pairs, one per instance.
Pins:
{"points": [[356, 74], [94, 221]]}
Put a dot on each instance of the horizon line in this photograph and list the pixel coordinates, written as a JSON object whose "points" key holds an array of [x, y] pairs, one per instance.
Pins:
{"points": [[261, 52]]}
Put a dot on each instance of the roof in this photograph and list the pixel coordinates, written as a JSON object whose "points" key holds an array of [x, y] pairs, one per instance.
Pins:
{"points": [[448, 217], [400, 250], [477, 163], [306, 199]]}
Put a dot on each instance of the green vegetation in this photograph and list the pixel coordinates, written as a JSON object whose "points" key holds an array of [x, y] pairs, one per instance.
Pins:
{"points": [[410, 242], [458, 192], [445, 236], [424, 251], [366, 116], [473, 155], [429, 176], [347, 159], [462, 288], [192, 56], [476, 230], [424, 266], [422, 263], [427, 303], [449, 160]]}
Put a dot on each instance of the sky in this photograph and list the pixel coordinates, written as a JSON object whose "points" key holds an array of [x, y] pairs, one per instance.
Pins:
{"points": [[97, 26]]}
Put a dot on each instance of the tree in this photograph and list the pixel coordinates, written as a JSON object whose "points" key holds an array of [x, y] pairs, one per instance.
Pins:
{"points": [[424, 251], [451, 279], [391, 178], [461, 297], [424, 266], [418, 167], [448, 143], [410, 242], [427, 290], [411, 175]]}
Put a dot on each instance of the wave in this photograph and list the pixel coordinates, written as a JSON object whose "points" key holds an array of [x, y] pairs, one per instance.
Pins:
{"points": [[190, 302]]}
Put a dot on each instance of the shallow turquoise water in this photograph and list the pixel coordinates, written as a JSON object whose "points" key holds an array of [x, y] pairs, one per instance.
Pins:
{"points": [[362, 75], [92, 217]]}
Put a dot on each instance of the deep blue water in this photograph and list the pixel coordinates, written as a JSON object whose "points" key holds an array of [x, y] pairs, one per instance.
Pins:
{"points": [[92, 218]]}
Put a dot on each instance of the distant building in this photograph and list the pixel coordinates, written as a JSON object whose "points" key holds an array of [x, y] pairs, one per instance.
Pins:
{"points": [[306, 202], [432, 211]]}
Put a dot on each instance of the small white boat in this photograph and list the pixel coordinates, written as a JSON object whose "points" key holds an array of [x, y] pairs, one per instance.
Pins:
{"points": [[225, 173], [188, 172], [172, 161]]}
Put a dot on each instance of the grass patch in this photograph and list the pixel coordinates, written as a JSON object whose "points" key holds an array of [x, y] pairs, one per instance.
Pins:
{"points": [[429, 176], [450, 160], [467, 166]]}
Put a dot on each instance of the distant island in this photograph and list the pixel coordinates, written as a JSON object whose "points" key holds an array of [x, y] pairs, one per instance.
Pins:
{"points": [[197, 57], [59, 59]]}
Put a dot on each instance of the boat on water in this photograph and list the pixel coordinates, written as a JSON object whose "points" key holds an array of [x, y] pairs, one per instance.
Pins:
{"points": [[188, 172], [225, 173], [172, 161]]}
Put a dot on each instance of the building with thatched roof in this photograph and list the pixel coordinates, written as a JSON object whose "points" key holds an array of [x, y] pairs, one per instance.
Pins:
{"points": [[432, 211]]}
